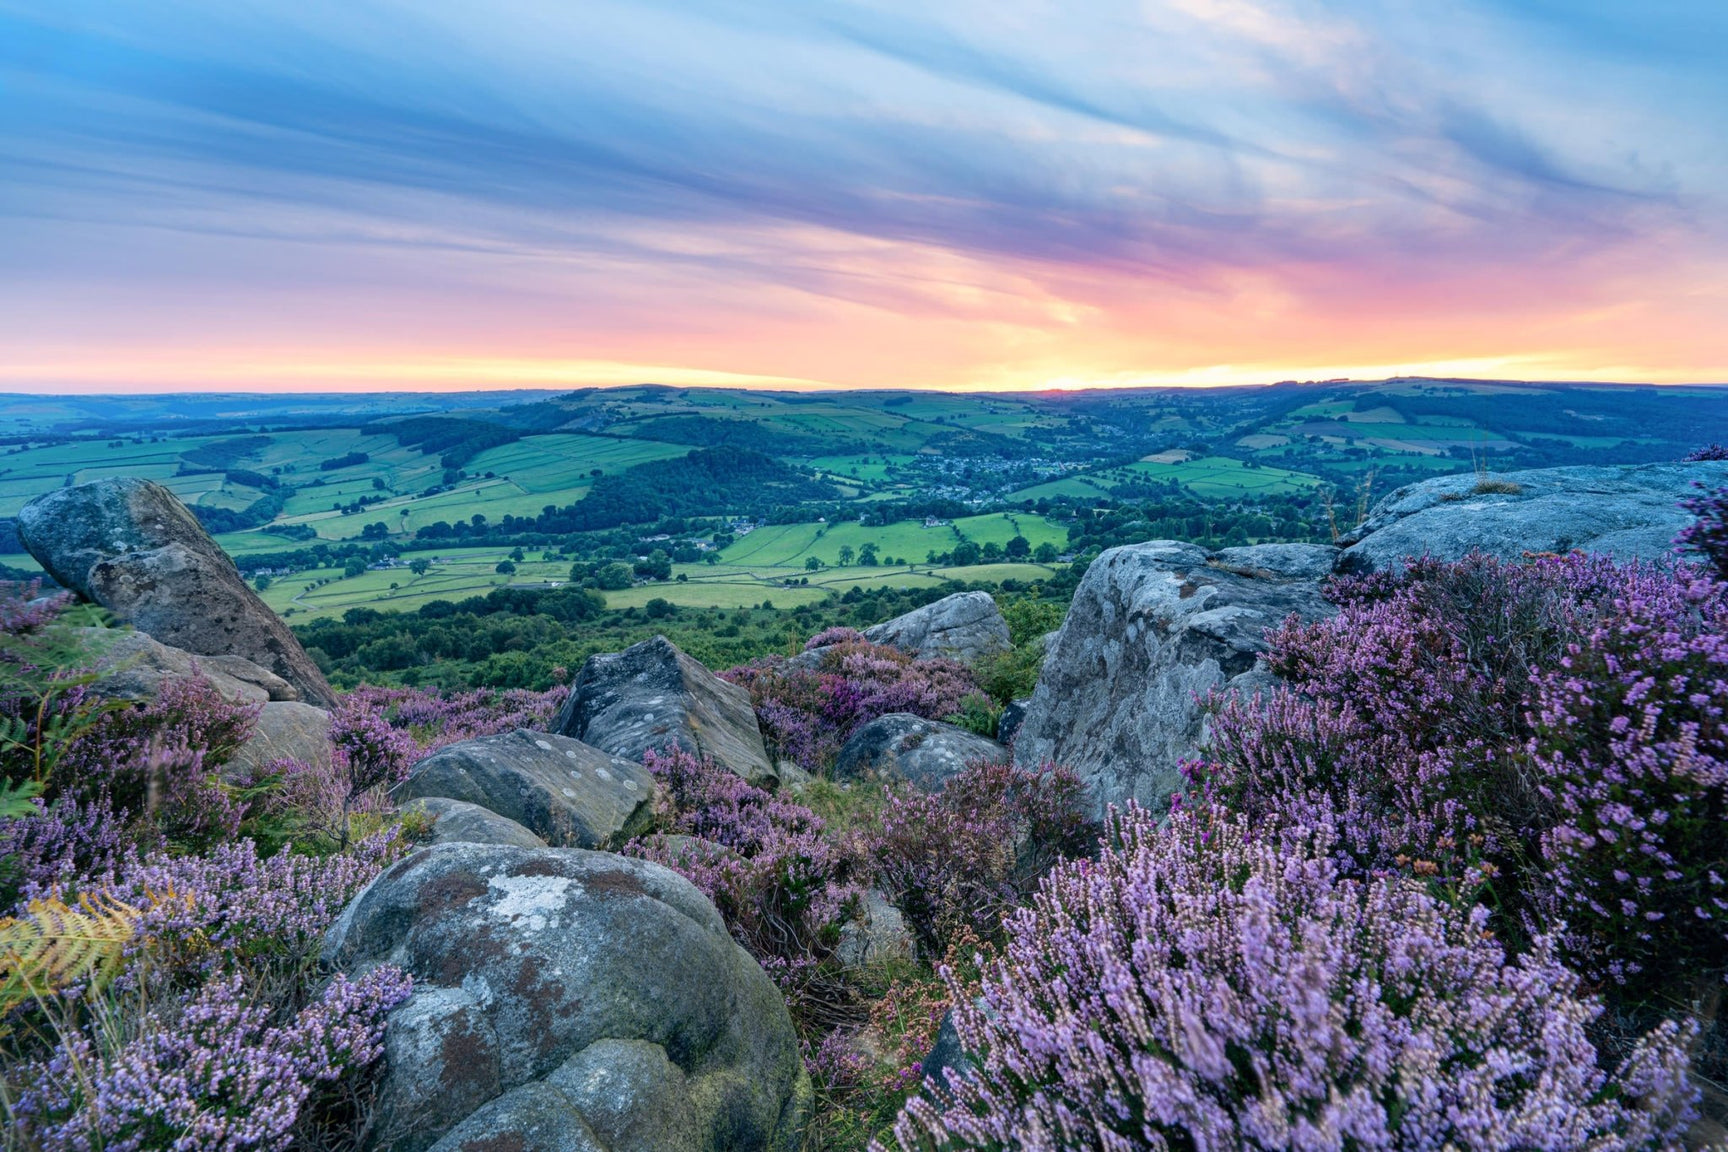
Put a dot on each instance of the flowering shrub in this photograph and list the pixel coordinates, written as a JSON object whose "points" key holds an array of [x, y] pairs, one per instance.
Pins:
{"points": [[212, 1073], [807, 713], [157, 761], [961, 860], [1204, 987], [1708, 452], [436, 719], [1707, 535], [1632, 745], [782, 887], [1408, 713]]}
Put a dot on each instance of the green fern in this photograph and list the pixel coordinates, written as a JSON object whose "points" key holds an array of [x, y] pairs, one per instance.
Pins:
{"points": [[15, 799]]}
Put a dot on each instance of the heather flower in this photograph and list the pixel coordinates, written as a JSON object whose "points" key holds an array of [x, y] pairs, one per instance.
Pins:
{"points": [[1707, 535], [806, 714], [1632, 745], [961, 860], [437, 719], [215, 1073], [1205, 986], [782, 887]]}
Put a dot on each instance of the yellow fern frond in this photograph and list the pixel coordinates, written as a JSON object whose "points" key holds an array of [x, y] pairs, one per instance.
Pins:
{"points": [[55, 945]]}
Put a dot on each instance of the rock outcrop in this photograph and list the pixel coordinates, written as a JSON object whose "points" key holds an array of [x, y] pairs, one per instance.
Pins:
{"points": [[566, 999], [1626, 511], [568, 793], [904, 747], [651, 696], [134, 548], [1154, 626], [965, 626], [458, 822]]}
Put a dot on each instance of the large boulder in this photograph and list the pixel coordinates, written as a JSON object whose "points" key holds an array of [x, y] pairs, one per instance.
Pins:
{"points": [[1628, 512], [132, 666], [901, 747], [965, 626], [568, 793], [566, 999], [133, 547], [1153, 629], [651, 697]]}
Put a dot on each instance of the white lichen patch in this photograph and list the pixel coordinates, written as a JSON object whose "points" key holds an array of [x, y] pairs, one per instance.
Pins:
{"points": [[543, 745], [531, 903]]}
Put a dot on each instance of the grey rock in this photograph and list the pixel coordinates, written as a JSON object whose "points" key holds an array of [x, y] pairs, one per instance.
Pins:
{"points": [[132, 666], [904, 747], [879, 934], [1270, 561], [1152, 627], [1014, 715], [459, 822], [133, 547], [568, 793], [965, 626], [651, 697], [566, 999], [948, 1053], [286, 730], [1629, 512]]}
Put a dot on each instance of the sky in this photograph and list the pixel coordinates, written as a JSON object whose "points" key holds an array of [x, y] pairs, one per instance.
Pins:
{"points": [[352, 194]]}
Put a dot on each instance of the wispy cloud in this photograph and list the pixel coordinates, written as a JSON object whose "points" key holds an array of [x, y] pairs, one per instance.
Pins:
{"points": [[770, 188]]}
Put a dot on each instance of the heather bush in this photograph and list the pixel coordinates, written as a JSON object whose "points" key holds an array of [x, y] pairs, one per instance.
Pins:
{"points": [[961, 860], [1632, 746], [1707, 535], [807, 713], [435, 719], [1204, 986], [1408, 712], [157, 762], [783, 888], [1708, 452], [215, 1032]]}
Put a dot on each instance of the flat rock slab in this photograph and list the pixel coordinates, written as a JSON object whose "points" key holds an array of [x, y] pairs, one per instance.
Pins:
{"points": [[568, 793], [651, 697], [1629, 512], [133, 547], [1154, 628], [966, 626], [132, 666], [566, 999], [459, 822], [925, 753]]}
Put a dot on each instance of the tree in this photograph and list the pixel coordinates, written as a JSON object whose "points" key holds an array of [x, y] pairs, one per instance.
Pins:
{"points": [[812, 564], [1045, 553], [867, 555], [354, 567], [506, 567], [965, 554], [845, 555], [420, 566], [658, 608], [613, 577], [992, 552], [377, 530], [262, 582], [518, 555], [657, 565], [1018, 548]]}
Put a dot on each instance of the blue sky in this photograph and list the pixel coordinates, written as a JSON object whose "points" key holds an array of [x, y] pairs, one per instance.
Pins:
{"points": [[955, 195]]}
